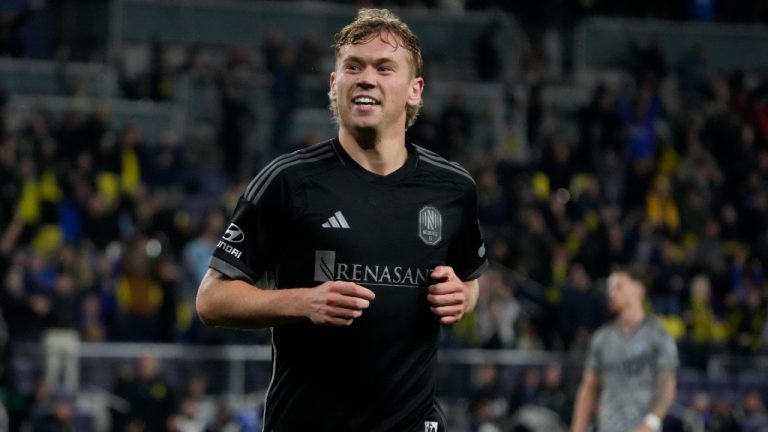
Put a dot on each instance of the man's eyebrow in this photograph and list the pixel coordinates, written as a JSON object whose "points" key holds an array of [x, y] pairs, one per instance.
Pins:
{"points": [[380, 60]]}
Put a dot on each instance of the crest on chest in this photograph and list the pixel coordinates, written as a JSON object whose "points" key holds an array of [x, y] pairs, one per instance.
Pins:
{"points": [[430, 225]]}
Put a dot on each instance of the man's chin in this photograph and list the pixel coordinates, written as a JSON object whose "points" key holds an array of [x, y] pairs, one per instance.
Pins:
{"points": [[363, 132]]}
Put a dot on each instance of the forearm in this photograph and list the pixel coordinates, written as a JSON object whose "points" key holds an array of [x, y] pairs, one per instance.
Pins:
{"points": [[582, 411], [473, 291], [230, 303], [667, 386], [585, 401]]}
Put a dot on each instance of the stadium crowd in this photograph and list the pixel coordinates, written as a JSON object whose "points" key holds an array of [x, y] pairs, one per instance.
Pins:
{"points": [[105, 235]]}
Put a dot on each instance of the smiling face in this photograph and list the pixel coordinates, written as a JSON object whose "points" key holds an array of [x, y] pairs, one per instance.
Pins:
{"points": [[373, 84]]}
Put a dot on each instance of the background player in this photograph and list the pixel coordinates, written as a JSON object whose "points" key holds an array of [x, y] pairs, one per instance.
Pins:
{"points": [[631, 364]]}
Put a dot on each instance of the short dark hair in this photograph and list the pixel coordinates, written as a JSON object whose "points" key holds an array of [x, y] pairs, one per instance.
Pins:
{"points": [[635, 272]]}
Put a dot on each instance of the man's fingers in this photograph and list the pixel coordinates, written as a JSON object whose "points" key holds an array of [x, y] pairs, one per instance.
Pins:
{"points": [[344, 313], [445, 299], [354, 290], [445, 311], [445, 288], [339, 322], [348, 302], [443, 272], [450, 319]]}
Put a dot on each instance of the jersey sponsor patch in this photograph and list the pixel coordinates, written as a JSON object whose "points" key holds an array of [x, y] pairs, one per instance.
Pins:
{"points": [[328, 268], [430, 426], [430, 225], [233, 234]]}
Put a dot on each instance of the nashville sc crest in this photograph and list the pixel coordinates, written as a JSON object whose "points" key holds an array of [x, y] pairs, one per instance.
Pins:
{"points": [[430, 225]]}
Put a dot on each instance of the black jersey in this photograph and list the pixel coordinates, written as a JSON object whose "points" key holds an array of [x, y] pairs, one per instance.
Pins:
{"points": [[316, 215]]}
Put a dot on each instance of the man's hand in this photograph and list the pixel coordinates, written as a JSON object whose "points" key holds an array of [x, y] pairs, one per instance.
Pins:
{"points": [[449, 297], [336, 303], [644, 428]]}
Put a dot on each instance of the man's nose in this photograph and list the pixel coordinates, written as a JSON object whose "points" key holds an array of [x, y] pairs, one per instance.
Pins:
{"points": [[366, 78]]}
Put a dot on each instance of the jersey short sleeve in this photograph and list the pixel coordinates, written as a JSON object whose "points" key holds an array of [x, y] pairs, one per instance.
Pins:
{"points": [[593, 362], [248, 247], [466, 253]]}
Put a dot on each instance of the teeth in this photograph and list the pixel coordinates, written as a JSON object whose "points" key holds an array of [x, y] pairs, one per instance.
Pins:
{"points": [[363, 100]]}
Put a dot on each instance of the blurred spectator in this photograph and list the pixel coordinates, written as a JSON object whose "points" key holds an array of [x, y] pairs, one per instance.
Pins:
{"points": [[695, 72], [661, 209], [498, 311], [26, 312], [533, 245], [755, 416], [601, 127], [169, 278], [582, 309], [61, 340], [488, 60], [526, 388], [559, 164], [236, 116], [165, 162], [310, 55], [455, 128], [61, 417], [151, 399], [648, 62], [12, 21], [160, 77], [285, 98], [722, 417], [747, 320], [700, 322], [194, 66], [38, 404], [487, 403], [494, 203], [92, 327], [553, 394], [197, 252], [640, 110], [611, 173], [668, 288], [11, 397], [185, 419], [140, 295]]}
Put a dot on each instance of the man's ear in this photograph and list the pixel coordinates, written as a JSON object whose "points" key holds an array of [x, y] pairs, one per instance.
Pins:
{"points": [[415, 91], [332, 86]]}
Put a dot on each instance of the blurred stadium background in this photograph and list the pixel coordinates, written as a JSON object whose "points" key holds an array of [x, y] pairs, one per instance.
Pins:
{"points": [[600, 133]]}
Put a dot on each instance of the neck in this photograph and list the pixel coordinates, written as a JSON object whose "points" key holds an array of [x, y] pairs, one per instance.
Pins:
{"points": [[375, 153], [631, 318]]}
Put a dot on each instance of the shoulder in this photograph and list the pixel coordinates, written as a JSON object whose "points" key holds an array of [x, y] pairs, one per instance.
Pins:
{"points": [[656, 327], [445, 169], [600, 335], [295, 165]]}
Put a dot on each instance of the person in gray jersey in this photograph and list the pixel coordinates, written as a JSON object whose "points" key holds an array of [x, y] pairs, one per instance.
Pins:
{"points": [[631, 363]]}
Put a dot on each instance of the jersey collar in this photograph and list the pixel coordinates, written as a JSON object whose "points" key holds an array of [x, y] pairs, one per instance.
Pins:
{"points": [[401, 173]]}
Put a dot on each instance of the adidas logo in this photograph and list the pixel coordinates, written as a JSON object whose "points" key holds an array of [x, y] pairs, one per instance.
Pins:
{"points": [[336, 221]]}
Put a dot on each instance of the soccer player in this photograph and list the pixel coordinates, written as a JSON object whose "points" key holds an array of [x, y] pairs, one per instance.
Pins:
{"points": [[369, 243], [631, 363]]}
